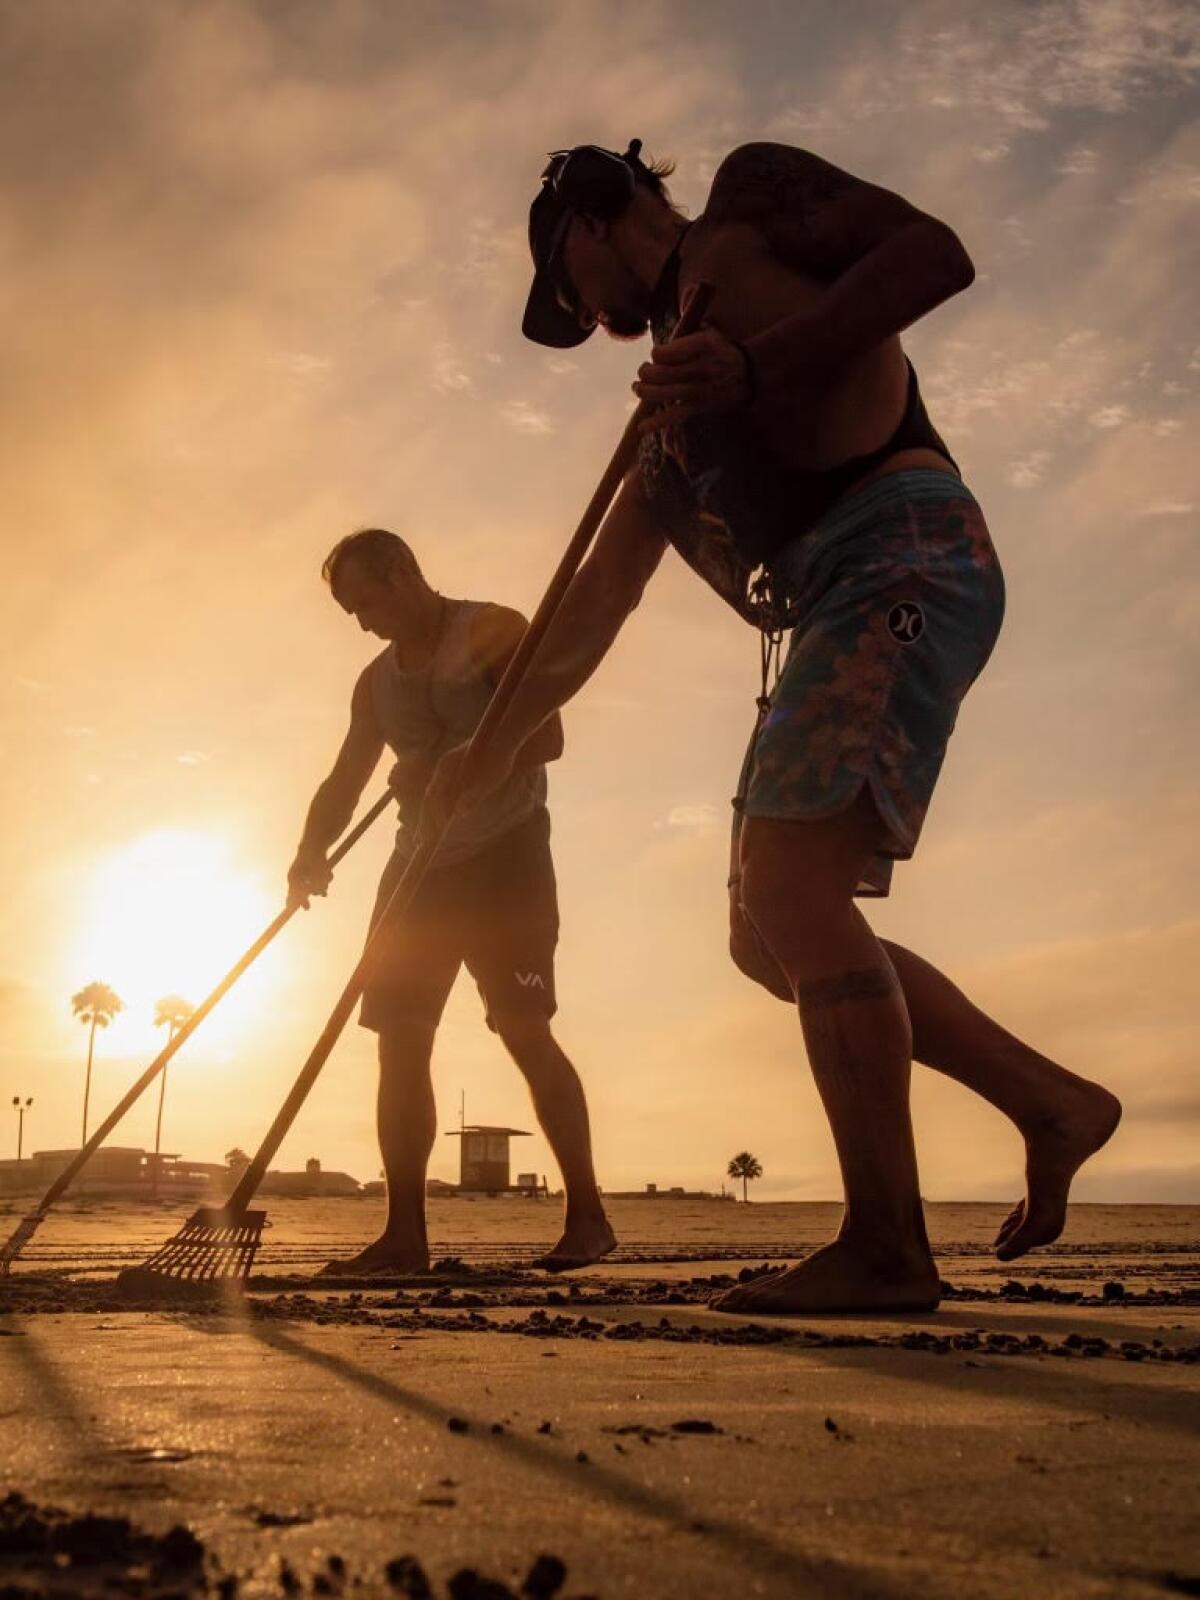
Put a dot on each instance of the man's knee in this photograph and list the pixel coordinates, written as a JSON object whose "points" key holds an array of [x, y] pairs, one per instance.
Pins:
{"points": [[751, 956], [793, 924], [406, 1046], [528, 1039]]}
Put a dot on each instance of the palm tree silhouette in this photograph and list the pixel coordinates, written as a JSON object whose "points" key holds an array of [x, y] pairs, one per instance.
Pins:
{"points": [[745, 1166], [95, 1004], [171, 1012]]}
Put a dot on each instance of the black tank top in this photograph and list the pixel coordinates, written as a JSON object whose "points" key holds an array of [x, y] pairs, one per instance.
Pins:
{"points": [[726, 501]]}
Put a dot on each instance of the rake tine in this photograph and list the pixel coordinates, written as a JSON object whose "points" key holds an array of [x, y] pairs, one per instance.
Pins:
{"points": [[213, 1248]]}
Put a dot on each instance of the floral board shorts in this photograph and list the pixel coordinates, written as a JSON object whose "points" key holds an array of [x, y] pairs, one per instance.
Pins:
{"points": [[900, 600]]}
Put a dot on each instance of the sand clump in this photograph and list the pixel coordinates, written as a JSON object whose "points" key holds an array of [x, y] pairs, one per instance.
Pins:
{"points": [[50, 1554], [46, 1552], [553, 1315]]}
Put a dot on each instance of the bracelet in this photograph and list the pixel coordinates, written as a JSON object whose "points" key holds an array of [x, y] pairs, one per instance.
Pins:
{"points": [[751, 372]]}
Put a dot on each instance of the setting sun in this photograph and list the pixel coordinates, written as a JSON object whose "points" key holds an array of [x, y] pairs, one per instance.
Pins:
{"points": [[169, 914]]}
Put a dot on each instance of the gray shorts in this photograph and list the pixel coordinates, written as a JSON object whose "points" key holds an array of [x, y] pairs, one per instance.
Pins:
{"points": [[495, 913]]}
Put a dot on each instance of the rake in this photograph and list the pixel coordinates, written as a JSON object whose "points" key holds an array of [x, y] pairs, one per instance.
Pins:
{"points": [[217, 1245], [11, 1249]]}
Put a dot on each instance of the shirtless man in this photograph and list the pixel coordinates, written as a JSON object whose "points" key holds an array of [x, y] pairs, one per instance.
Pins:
{"points": [[790, 445], [489, 900]]}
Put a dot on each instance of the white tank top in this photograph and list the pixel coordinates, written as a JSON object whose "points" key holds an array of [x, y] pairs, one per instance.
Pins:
{"points": [[435, 707]]}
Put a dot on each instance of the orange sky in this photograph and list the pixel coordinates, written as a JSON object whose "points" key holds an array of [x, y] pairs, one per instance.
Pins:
{"points": [[262, 270]]}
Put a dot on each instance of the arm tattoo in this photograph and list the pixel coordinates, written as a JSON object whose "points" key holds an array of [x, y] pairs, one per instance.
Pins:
{"points": [[866, 983], [817, 219], [774, 180]]}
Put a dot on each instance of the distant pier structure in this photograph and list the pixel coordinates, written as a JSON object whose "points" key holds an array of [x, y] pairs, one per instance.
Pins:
{"points": [[484, 1162]]}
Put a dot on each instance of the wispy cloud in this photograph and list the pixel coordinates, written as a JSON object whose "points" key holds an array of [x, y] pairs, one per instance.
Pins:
{"points": [[1169, 508], [1110, 417], [692, 818], [450, 375], [1030, 470], [526, 418]]}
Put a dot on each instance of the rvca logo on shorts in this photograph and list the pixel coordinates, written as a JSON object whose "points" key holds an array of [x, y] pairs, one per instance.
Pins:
{"points": [[529, 980], [906, 622]]}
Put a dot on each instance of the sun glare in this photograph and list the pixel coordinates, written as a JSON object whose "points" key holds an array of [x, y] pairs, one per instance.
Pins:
{"points": [[169, 914]]}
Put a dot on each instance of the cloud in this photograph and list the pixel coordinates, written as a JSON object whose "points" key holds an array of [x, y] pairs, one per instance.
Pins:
{"points": [[694, 818], [989, 153], [1014, 75], [525, 418], [450, 376], [1029, 472], [1079, 162], [300, 364], [1032, 62], [1110, 416], [1169, 508]]}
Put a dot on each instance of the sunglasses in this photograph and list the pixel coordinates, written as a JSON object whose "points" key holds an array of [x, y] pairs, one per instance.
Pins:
{"points": [[556, 268]]}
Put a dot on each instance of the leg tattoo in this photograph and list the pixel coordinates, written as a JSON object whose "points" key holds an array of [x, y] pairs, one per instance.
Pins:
{"points": [[867, 983]]}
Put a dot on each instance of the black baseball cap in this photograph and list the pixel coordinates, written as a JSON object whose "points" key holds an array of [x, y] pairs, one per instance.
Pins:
{"points": [[546, 320]]}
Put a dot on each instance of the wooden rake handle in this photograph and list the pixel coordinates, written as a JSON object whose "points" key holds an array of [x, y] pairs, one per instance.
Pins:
{"points": [[418, 863]]}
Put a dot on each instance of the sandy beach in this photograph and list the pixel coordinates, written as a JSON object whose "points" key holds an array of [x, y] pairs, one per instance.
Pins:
{"points": [[1036, 1434]]}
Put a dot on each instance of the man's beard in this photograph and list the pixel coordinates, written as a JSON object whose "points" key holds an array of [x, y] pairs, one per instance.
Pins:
{"points": [[631, 317], [625, 324]]}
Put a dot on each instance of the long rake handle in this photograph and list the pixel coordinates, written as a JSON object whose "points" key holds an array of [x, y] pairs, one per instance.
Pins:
{"points": [[75, 1166], [418, 863]]}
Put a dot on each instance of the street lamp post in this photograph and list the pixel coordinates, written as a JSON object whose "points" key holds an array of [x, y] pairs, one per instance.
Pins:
{"points": [[22, 1107]]}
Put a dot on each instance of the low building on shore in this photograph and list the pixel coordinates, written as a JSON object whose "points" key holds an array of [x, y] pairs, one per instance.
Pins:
{"points": [[118, 1171], [654, 1191], [313, 1181]]}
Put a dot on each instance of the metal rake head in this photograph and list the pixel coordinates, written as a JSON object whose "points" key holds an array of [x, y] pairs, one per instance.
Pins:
{"points": [[213, 1247], [18, 1239]]}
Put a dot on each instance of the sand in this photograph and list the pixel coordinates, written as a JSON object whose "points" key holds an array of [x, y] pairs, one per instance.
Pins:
{"points": [[1038, 1434]]}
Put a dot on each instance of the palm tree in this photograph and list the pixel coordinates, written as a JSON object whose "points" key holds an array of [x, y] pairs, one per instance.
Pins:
{"points": [[171, 1012], [95, 1004], [745, 1166]]}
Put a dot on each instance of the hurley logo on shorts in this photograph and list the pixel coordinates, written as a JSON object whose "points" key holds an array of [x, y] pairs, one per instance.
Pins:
{"points": [[529, 980], [906, 622]]}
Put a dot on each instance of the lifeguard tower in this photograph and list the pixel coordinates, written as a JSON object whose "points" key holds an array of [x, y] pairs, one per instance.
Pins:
{"points": [[484, 1157]]}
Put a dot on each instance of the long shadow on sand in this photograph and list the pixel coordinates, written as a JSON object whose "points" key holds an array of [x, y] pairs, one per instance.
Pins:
{"points": [[1075, 1385], [833, 1580], [57, 1400]]}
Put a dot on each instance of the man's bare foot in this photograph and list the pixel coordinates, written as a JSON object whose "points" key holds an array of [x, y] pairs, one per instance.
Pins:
{"points": [[581, 1244], [385, 1255], [1053, 1154], [840, 1277]]}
